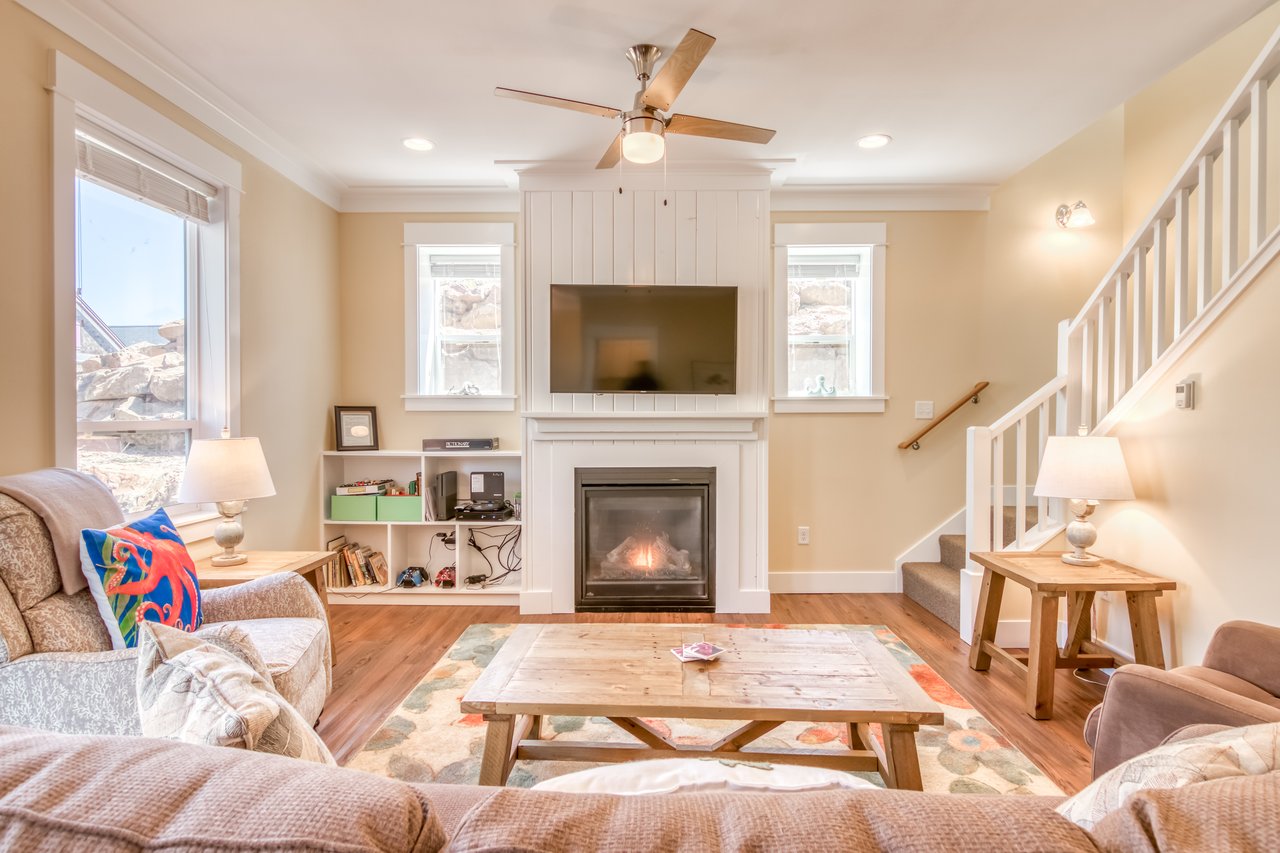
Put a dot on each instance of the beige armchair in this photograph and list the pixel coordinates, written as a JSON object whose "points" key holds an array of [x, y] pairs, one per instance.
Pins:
{"points": [[57, 668], [1238, 684]]}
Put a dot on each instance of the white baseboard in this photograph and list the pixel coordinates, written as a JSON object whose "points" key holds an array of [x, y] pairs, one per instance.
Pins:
{"points": [[752, 601], [426, 599], [818, 582], [536, 601], [1016, 633]]}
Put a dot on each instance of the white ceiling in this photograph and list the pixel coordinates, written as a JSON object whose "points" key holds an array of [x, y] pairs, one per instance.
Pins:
{"points": [[971, 90]]}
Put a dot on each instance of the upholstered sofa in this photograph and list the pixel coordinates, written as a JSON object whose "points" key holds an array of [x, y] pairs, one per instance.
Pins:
{"points": [[1237, 684], [59, 672], [106, 794]]}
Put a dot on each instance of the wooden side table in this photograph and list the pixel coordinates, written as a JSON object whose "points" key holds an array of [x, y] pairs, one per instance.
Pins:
{"points": [[1049, 578], [309, 564]]}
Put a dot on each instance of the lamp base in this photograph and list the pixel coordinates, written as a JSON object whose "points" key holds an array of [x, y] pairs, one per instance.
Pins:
{"points": [[229, 533], [1081, 534]]}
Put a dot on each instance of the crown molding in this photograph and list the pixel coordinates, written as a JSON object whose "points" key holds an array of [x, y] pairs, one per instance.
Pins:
{"points": [[430, 200], [535, 175], [763, 166], [859, 197], [119, 41]]}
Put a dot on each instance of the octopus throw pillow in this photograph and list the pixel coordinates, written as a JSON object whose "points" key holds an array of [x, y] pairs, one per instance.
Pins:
{"points": [[141, 572]]}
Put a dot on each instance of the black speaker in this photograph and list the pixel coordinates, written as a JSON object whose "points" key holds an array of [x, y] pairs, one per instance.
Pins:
{"points": [[446, 495]]}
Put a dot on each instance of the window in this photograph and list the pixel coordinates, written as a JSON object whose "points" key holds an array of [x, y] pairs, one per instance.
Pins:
{"points": [[459, 295], [144, 355], [829, 282]]}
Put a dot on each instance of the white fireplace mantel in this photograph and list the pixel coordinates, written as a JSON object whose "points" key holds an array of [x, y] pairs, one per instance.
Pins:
{"points": [[650, 426]]}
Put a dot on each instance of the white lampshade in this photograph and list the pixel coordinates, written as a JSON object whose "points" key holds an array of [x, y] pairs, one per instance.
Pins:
{"points": [[1084, 467], [225, 469]]}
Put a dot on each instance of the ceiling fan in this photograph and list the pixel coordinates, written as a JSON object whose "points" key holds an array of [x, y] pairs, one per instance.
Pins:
{"points": [[644, 126]]}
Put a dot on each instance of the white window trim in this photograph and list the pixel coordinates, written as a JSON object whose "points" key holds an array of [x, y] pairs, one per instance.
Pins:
{"points": [[78, 91], [785, 235], [417, 234]]}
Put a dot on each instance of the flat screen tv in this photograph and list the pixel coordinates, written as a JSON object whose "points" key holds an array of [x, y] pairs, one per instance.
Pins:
{"points": [[644, 339]]}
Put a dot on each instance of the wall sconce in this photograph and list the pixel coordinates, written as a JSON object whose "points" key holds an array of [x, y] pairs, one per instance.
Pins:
{"points": [[1074, 216]]}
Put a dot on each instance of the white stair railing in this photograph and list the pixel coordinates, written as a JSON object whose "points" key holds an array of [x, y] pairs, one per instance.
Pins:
{"points": [[1176, 275]]}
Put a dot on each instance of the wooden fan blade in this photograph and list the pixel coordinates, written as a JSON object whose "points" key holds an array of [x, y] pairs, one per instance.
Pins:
{"points": [[696, 126], [612, 154], [676, 71], [562, 103]]}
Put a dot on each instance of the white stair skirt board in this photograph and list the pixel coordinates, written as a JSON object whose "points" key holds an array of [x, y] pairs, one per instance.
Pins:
{"points": [[927, 550], [819, 582]]}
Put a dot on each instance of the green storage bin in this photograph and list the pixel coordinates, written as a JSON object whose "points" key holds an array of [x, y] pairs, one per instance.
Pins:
{"points": [[353, 507], [399, 508]]}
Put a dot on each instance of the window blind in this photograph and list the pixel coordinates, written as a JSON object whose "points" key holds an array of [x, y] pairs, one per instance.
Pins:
{"points": [[108, 159]]}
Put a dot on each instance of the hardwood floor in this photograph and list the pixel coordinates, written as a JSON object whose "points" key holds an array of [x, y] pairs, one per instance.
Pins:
{"points": [[385, 650]]}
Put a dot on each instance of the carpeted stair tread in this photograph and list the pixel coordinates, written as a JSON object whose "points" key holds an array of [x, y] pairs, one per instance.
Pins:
{"points": [[936, 588], [1011, 521], [952, 546]]}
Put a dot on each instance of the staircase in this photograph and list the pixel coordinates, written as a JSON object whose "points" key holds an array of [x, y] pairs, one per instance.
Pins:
{"points": [[936, 586], [1203, 244]]}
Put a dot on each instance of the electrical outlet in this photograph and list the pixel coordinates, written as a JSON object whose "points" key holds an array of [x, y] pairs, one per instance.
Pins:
{"points": [[802, 535], [924, 410]]}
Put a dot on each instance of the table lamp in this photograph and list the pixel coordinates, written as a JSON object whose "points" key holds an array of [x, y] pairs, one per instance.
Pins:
{"points": [[226, 472], [1084, 469]]}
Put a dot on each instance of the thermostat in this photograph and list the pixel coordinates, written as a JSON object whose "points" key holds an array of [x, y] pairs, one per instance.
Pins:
{"points": [[1185, 394]]}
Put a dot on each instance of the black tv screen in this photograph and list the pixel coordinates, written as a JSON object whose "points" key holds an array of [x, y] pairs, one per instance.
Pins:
{"points": [[656, 339]]}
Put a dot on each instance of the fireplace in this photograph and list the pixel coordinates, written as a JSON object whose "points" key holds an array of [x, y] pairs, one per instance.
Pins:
{"points": [[645, 539]]}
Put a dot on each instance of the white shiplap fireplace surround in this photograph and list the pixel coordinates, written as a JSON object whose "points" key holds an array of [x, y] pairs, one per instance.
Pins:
{"points": [[646, 227]]}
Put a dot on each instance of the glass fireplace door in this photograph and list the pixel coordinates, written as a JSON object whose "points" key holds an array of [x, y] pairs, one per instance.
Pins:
{"points": [[645, 546]]}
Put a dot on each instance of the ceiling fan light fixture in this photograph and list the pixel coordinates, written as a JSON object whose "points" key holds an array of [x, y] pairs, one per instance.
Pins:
{"points": [[642, 140], [874, 140]]}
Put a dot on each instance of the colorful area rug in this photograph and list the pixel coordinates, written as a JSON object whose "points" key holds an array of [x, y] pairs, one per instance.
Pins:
{"points": [[428, 739]]}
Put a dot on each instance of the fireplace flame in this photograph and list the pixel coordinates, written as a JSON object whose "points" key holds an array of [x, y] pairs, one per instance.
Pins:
{"points": [[647, 553], [642, 558]]}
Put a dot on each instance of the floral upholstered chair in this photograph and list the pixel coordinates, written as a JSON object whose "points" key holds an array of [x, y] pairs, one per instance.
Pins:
{"points": [[57, 667]]}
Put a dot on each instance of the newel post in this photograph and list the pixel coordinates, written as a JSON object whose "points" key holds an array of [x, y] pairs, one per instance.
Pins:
{"points": [[977, 520]]}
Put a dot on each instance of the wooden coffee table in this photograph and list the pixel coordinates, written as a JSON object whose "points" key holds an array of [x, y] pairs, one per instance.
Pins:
{"points": [[626, 672]]}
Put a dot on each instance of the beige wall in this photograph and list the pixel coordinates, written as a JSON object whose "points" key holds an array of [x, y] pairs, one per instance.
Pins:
{"points": [[1165, 121], [842, 475], [1037, 273], [1205, 482], [971, 296], [1204, 510], [1185, 524], [289, 293], [371, 248]]}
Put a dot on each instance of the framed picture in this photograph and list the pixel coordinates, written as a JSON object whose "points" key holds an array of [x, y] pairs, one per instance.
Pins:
{"points": [[355, 427]]}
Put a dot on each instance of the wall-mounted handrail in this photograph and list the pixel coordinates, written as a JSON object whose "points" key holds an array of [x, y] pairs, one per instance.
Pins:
{"points": [[913, 443]]}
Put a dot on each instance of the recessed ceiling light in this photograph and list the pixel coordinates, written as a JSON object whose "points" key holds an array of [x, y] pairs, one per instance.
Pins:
{"points": [[417, 143], [875, 140]]}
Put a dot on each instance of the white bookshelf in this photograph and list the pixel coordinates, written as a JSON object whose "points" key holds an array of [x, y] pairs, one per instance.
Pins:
{"points": [[415, 543]]}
